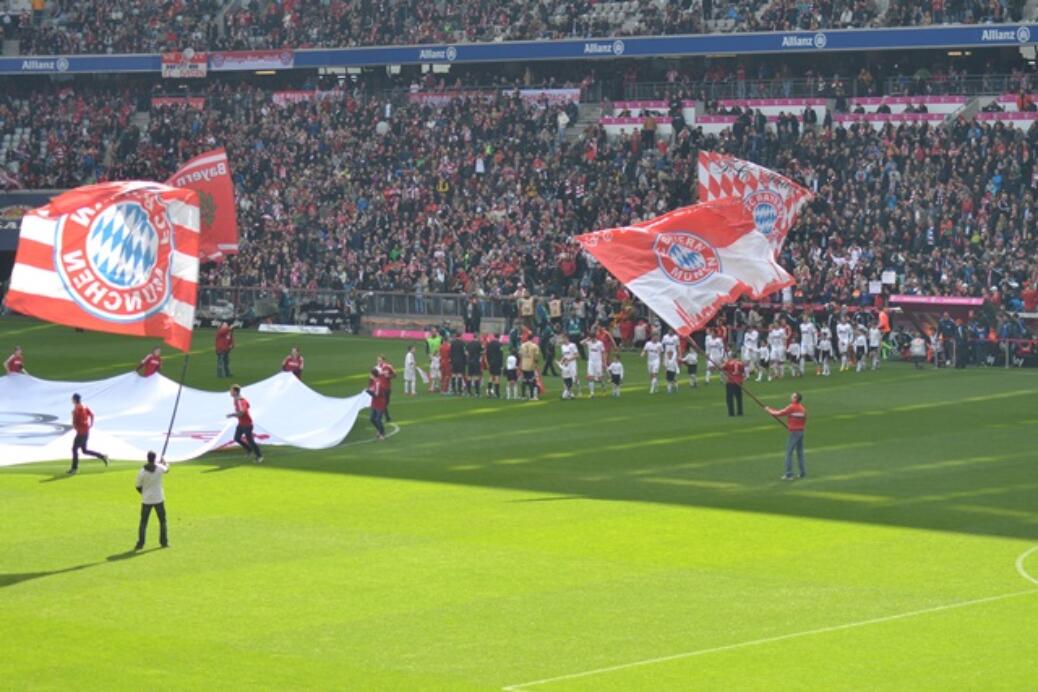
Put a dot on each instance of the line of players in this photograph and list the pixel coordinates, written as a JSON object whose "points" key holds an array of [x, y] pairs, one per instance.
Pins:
{"points": [[781, 349]]}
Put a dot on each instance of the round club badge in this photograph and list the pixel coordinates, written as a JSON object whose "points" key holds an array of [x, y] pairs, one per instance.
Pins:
{"points": [[685, 258], [115, 261], [767, 209]]}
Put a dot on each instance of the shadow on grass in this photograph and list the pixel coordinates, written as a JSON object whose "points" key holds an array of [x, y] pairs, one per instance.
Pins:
{"points": [[18, 578], [934, 469]]}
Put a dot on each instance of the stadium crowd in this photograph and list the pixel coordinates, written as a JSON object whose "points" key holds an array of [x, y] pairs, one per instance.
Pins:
{"points": [[129, 26], [483, 195]]}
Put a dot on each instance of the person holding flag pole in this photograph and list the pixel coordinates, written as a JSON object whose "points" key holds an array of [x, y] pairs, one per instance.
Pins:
{"points": [[688, 263], [116, 257]]}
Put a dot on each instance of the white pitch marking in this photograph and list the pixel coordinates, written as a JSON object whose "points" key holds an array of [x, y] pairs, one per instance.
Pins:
{"points": [[1020, 565], [394, 431], [779, 638]]}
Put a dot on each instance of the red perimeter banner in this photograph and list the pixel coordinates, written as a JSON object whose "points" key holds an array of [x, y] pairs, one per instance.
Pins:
{"points": [[251, 60], [189, 101], [187, 65], [209, 175]]}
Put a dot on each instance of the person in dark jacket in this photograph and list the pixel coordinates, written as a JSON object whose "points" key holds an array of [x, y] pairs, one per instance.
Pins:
{"points": [[495, 361], [457, 365]]}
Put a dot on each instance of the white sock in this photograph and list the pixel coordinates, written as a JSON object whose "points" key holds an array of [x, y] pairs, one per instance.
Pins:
{"points": [[591, 387]]}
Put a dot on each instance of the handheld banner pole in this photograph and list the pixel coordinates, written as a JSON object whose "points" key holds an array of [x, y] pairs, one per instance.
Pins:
{"points": [[176, 404], [746, 389]]}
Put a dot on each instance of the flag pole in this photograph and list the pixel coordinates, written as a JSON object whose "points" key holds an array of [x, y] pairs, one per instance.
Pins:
{"points": [[720, 369], [176, 404]]}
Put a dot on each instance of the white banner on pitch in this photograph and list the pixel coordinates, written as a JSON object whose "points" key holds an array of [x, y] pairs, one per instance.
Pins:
{"points": [[132, 415]]}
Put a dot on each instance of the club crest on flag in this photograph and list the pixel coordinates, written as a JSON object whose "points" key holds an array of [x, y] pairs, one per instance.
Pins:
{"points": [[115, 261], [685, 257], [767, 209]]}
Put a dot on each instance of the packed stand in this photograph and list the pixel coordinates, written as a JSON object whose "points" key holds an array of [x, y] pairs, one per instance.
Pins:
{"points": [[133, 26], [59, 138], [118, 26]]}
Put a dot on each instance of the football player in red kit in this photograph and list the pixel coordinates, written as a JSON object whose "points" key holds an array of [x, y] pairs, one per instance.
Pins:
{"points": [[82, 421], [293, 363], [379, 391], [243, 433], [14, 362], [151, 363]]}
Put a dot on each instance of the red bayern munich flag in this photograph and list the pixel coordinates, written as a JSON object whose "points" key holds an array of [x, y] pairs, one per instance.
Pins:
{"points": [[774, 200], [688, 263], [117, 257], [209, 175]]}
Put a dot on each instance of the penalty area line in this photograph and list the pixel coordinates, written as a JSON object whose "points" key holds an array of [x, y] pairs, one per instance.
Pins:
{"points": [[778, 638]]}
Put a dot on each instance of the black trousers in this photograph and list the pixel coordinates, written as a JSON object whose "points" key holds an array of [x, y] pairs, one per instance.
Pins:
{"points": [[243, 436], [160, 509], [80, 444], [733, 395]]}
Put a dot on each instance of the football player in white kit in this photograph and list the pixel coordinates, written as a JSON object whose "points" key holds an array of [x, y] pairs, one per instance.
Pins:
{"points": [[691, 361], [844, 336], [595, 362], [671, 366], [512, 375], [749, 350], [861, 345], [777, 346], [825, 349], [569, 355], [796, 359], [616, 373], [808, 340], [875, 345], [652, 352], [714, 354], [409, 372], [670, 342], [763, 358]]}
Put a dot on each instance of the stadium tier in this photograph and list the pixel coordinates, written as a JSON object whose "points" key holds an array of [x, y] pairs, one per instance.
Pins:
{"points": [[122, 26]]}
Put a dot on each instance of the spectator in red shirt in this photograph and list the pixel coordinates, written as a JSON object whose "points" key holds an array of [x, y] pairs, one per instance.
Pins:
{"points": [[243, 433], [14, 362], [1029, 297], [82, 421], [224, 345], [151, 363], [734, 374], [293, 363], [378, 388], [797, 416]]}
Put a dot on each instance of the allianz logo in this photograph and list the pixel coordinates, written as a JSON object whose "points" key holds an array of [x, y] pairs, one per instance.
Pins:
{"points": [[1021, 34], [616, 47], [59, 65], [819, 40], [449, 53]]}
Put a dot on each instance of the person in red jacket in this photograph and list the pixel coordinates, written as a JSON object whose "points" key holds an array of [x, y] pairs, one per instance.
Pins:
{"points": [[224, 345], [151, 363], [14, 362], [379, 391], [734, 374], [82, 421], [796, 414], [243, 432], [293, 363]]}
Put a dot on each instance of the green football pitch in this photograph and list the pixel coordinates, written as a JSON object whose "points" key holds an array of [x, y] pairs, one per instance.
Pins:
{"points": [[644, 542]]}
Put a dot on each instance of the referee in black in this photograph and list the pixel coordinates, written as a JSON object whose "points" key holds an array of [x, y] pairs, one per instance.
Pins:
{"points": [[495, 361]]}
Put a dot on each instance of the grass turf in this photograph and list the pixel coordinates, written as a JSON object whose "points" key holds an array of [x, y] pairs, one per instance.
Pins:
{"points": [[639, 543]]}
